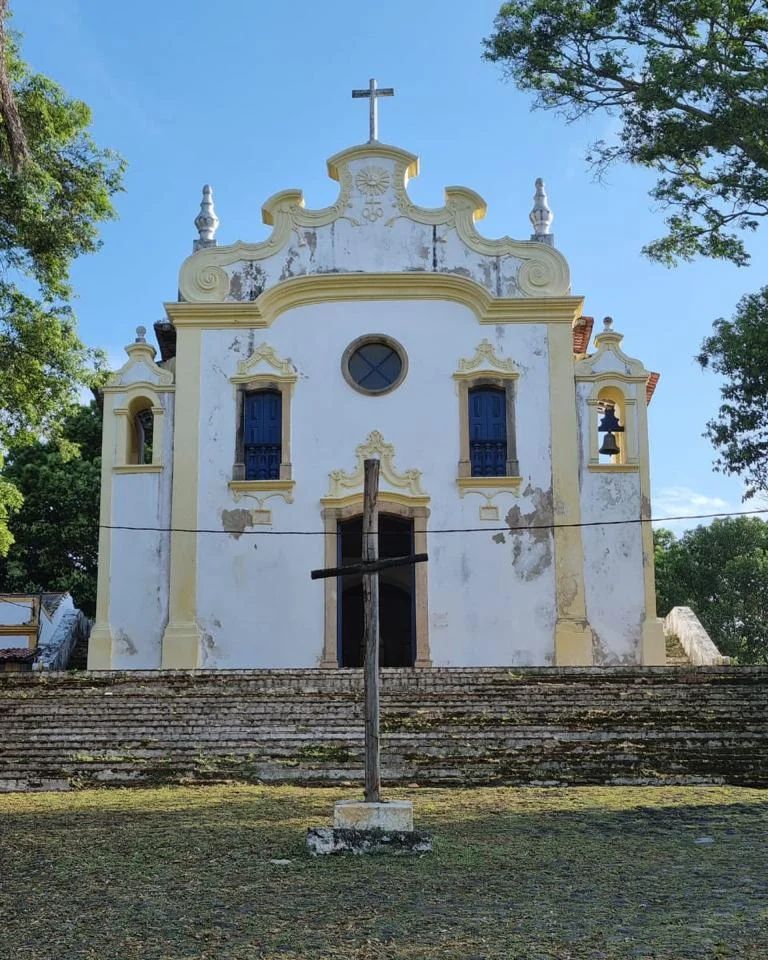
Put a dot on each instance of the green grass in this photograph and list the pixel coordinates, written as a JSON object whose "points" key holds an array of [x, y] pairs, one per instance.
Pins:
{"points": [[536, 874]]}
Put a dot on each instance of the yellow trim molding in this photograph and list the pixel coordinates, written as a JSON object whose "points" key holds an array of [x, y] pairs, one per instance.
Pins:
{"points": [[100, 642], [355, 287], [488, 483], [181, 640], [241, 488], [138, 468], [613, 467], [573, 637]]}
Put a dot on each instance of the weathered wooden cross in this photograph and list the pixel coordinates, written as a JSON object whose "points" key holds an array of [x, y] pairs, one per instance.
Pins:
{"points": [[374, 93], [370, 567]]}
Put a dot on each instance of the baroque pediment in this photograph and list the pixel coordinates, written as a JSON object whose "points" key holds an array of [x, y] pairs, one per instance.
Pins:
{"points": [[373, 227], [407, 483]]}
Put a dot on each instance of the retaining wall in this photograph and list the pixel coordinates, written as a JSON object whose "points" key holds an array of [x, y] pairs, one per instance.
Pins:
{"points": [[440, 726]]}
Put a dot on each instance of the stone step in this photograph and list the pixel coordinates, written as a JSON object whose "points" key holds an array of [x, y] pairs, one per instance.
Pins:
{"points": [[491, 725]]}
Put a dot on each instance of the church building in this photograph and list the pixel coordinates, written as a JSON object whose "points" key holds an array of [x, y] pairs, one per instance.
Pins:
{"points": [[512, 450]]}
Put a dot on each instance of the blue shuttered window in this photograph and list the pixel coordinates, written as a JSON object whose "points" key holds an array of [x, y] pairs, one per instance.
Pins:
{"points": [[488, 432], [262, 434]]}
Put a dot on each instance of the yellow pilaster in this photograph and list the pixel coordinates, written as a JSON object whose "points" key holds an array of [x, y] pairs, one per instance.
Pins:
{"points": [[181, 640], [653, 647], [573, 637], [100, 641]]}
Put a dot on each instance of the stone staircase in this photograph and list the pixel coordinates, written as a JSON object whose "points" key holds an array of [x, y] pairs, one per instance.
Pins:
{"points": [[676, 656], [440, 726]]}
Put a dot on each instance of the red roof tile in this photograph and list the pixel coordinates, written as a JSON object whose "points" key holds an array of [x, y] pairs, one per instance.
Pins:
{"points": [[18, 654], [582, 331], [650, 385]]}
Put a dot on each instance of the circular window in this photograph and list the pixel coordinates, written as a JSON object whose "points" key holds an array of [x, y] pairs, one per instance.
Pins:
{"points": [[374, 364]]}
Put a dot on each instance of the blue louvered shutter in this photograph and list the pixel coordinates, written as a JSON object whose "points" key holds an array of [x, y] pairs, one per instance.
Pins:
{"points": [[488, 432], [262, 434]]}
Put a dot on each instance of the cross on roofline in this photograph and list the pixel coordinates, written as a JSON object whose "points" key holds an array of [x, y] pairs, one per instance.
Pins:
{"points": [[374, 93]]}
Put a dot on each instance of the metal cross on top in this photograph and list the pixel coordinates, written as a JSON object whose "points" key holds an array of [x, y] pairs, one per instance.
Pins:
{"points": [[370, 567], [374, 93]]}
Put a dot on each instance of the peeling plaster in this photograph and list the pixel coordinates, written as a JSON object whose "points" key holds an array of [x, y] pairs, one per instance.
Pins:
{"points": [[126, 646], [234, 522], [532, 549]]}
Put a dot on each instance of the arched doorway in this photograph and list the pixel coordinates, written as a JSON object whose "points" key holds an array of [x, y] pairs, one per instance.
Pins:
{"points": [[397, 605]]}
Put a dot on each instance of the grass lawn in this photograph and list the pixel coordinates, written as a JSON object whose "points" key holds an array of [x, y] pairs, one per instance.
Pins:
{"points": [[535, 874]]}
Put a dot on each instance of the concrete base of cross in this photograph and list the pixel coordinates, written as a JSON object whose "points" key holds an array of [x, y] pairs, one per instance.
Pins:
{"points": [[360, 827]]}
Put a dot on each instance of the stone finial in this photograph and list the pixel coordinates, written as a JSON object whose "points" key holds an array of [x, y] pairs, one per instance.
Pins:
{"points": [[141, 335], [541, 216], [206, 221], [608, 324]]}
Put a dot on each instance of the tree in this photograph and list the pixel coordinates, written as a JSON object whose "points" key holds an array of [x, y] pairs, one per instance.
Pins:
{"points": [[56, 530], [54, 192], [721, 572], [738, 350], [688, 81]]}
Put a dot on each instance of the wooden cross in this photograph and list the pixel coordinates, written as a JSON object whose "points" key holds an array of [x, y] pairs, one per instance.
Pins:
{"points": [[374, 93], [370, 567]]}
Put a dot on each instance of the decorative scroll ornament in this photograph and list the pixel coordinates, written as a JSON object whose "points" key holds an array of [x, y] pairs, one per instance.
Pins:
{"points": [[485, 356], [265, 354], [342, 483]]}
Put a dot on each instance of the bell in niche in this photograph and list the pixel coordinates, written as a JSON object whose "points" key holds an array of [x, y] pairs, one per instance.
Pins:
{"points": [[609, 423], [610, 448], [610, 426]]}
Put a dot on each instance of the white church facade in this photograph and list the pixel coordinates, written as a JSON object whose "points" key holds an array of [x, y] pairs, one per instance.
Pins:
{"points": [[232, 463]]}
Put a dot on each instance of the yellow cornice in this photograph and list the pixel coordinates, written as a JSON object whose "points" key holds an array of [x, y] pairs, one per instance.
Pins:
{"points": [[385, 496], [488, 483], [341, 287], [408, 161]]}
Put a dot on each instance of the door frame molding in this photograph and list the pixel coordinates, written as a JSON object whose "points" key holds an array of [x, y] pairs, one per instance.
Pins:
{"points": [[352, 506]]}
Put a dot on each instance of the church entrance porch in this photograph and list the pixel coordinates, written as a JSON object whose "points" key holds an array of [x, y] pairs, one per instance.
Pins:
{"points": [[397, 595]]}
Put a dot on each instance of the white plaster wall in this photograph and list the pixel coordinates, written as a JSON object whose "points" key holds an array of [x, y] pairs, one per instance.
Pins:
{"points": [[491, 601], [139, 571], [613, 554]]}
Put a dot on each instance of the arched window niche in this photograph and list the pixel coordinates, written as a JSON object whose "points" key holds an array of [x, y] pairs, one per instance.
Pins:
{"points": [[139, 441], [611, 407]]}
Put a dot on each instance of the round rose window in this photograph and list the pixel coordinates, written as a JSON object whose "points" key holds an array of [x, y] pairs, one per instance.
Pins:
{"points": [[374, 364]]}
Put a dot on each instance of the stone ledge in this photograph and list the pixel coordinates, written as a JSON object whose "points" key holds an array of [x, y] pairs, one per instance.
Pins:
{"points": [[333, 840]]}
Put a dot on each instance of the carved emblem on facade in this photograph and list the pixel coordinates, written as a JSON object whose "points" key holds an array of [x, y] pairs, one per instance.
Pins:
{"points": [[373, 182]]}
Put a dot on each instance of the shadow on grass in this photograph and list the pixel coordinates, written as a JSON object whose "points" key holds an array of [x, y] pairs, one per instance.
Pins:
{"points": [[580, 874]]}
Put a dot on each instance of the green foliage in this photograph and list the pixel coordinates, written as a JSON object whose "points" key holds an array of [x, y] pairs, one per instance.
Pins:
{"points": [[721, 573], [56, 530], [49, 214], [738, 350], [688, 83]]}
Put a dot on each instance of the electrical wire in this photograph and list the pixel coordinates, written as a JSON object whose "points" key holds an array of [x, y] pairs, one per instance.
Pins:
{"points": [[447, 530]]}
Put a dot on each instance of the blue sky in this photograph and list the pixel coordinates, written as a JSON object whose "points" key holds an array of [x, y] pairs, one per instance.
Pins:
{"points": [[252, 96]]}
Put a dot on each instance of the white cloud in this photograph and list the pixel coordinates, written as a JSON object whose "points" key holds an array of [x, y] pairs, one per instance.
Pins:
{"points": [[685, 502]]}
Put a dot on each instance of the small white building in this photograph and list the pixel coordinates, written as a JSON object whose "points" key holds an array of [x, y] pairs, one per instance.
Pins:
{"points": [[374, 327]]}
